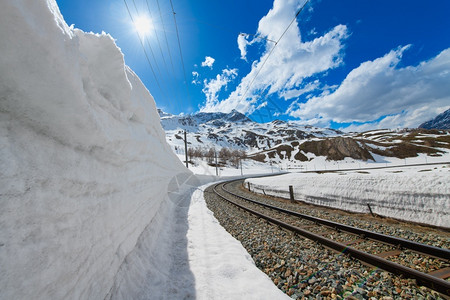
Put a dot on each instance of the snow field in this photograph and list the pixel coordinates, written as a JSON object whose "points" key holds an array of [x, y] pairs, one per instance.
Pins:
{"points": [[158, 268], [222, 267], [419, 194], [249, 167], [321, 163], [192, 257]]}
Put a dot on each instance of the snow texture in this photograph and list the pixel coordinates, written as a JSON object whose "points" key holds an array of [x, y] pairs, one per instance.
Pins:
{"points": [[441, 121], [84, 163], [419, 194], [192, 258], [249, 168], [233, 130], [234, 274], [93, 203]]}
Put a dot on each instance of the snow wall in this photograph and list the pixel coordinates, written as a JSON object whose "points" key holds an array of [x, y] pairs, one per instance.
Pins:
{"points": [[415, 196], [84, 165]]}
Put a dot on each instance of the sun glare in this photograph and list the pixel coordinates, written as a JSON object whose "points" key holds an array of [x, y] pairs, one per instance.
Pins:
{"points": [[143, 25]]}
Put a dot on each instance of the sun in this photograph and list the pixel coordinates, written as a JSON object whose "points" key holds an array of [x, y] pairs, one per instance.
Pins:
{"points": [[143, 25]]}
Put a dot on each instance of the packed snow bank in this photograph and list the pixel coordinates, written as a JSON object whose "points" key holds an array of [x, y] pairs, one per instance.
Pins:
{"points": [[234, 274], [84, 166], [158, 267], [419, 194], [190, 258]]}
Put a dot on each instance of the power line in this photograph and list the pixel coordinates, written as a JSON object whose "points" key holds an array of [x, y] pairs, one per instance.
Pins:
{"points": [[175, 94], [165, 35], [273, 48], [156, 34], [164, 90], [145, 51], [148, 43], [181, 53]]}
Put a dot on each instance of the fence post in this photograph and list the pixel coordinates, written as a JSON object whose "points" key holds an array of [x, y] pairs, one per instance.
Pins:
{"points": [[248, 184], [370, 209], [186, 149], [291, 193]]}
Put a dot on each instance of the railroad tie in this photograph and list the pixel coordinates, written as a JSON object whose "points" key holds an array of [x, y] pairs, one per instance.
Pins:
{"points": [[443, 273], [353, 242], [389, 253]]}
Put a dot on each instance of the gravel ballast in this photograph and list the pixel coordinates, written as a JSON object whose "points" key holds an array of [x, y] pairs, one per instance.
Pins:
{"points": [[304, 269]]}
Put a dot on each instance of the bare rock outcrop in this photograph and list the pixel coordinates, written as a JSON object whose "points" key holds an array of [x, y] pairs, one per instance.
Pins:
{"points": [[337, 148]]}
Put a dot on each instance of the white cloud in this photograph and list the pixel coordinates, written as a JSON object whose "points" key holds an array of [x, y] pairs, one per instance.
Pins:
{"points": [[212, 87], [262, 105], [401, 97], [312, 31], [406, 119], [230, 73], [242, 45], [209, 61], [290, 63], [294, 93], [195, 76]]}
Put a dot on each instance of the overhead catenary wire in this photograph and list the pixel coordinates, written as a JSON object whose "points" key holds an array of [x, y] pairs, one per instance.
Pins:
{"points": [[145, 51], [181, 53], [148, 44], [153, 53], [167, 44], [156, 34], [165, 36], [273, 48]]}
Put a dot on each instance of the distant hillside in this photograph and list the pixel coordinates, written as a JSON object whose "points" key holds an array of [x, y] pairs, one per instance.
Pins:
{"points": [[291, 143], [235, 131], [442, 121], [360, 146]]}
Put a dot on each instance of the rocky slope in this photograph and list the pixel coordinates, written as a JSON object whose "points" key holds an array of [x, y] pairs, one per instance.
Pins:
{"points": [[235, 130], [361, 146], [281, 141], [442, 121]]}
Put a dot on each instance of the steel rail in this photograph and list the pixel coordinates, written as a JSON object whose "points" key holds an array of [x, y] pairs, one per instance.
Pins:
{"points": [[396, 241], [429, 281]]}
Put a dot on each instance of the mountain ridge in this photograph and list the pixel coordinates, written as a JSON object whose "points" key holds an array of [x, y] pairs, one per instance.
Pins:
{"points": [[235, 130], [289, 142], [441, 121]]}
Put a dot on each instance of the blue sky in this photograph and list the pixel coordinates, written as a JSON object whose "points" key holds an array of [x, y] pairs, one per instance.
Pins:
{"points": [[350, 64]]}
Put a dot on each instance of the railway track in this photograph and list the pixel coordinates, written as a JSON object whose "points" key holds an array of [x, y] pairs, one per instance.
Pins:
{"points": [[352, 241]]}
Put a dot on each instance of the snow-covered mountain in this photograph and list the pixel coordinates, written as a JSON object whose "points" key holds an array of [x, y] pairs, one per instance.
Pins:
{"points": [[442, 121], [289, 143], [234, 130]]}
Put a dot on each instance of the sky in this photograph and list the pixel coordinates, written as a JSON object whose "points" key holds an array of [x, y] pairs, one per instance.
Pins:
{"points": [[351, 65]]}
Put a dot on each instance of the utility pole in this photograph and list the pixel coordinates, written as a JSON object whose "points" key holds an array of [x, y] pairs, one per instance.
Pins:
{"points": [[240, 160], [215, 154], [186, 149]]}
